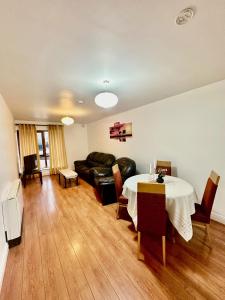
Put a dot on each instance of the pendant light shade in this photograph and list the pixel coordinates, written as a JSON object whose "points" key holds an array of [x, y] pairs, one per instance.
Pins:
{"points": [[106, 100], [67, 121]]}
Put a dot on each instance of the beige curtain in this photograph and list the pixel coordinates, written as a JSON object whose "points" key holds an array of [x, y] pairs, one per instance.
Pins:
{"points": [[58, 159], [28, 142]]}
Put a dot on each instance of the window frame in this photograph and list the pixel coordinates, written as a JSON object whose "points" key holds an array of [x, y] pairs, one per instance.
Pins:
{"points": [[45, 155]]}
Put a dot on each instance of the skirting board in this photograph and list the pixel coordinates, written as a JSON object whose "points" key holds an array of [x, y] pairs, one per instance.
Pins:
{"points": [[3, 260], [218, 217]]}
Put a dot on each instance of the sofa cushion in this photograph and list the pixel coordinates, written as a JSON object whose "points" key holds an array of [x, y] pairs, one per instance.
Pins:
{"points": [[100, 159]]}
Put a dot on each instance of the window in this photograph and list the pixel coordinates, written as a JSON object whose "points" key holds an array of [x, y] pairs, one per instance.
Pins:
{"points": [[43, 146]]}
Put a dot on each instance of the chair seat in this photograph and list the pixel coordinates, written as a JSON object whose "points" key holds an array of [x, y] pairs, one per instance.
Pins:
{"points": [[123, 200], [36, 171], [199, 215]]}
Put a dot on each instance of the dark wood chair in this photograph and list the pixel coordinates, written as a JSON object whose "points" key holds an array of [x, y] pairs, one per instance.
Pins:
{"points": [[163, 165], [30, 168], [151, 214], [201, 217], [121, 200]]}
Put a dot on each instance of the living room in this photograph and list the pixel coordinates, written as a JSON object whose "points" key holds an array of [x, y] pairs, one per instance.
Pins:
{"points": [[77, 241]]}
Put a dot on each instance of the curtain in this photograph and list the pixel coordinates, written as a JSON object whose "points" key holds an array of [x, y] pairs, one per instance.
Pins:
{"points": [[58, 159], [28, 142]]}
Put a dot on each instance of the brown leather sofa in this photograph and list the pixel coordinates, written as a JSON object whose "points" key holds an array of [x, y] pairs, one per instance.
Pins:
{"points": [[95, 163]]}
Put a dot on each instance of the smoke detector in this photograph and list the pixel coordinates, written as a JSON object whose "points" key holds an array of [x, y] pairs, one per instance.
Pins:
{"points": [[185, 15]]}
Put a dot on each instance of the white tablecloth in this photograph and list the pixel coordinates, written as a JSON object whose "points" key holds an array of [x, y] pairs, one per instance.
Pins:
{"points": [[180, 199]]}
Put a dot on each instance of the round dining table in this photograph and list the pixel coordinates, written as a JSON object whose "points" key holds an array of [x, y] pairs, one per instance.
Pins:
{"points": [[180, 201]]}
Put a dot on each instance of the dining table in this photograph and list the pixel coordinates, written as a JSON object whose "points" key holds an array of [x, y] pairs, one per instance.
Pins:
{"points": [[180, 201]]}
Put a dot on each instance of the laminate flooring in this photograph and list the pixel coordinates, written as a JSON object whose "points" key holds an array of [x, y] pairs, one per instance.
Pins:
{"points": [[74, 248]]}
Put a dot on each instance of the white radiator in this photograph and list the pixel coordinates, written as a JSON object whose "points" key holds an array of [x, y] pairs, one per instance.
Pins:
{"points": [[12, 209]]}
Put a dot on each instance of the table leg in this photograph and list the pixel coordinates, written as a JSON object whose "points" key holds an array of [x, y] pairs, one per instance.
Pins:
{"points": [[64, 182], [40, 176], [59, 178]]}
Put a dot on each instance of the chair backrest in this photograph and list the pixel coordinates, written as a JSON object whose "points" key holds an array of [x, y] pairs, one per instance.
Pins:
{"points": [[118, 180], [209, 193], [30, 163], [151, 208], [163, 165]]}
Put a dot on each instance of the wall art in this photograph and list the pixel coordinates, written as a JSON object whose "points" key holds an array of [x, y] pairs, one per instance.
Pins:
{"points": [[120, 131]]}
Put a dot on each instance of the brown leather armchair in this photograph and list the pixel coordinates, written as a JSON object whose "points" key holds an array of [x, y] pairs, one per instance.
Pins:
{"points": [[105, 184]]}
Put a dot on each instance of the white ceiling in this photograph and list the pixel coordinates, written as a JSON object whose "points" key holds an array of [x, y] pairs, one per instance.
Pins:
{"points": [[54, 53]]}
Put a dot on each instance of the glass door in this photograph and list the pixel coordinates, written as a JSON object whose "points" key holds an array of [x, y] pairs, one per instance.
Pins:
{"points": [[43, 146]]}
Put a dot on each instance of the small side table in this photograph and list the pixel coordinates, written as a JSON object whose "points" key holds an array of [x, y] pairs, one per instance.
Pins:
{"points": [[68, 175]]}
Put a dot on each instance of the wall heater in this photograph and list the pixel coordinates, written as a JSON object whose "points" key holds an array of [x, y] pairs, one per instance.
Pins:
{"points": [[12, 208]]}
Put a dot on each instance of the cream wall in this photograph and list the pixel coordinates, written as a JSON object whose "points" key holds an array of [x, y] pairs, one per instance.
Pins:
{"points": [[188, 129], [8, 170], [76, 143]]}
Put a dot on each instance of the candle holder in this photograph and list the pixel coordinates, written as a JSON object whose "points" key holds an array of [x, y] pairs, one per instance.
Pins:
{"points": [[161, 174]]}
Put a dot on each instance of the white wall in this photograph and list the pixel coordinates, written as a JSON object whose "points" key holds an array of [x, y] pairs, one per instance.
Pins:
{"points": [[8, 170], [188, 129], [76, 143]]}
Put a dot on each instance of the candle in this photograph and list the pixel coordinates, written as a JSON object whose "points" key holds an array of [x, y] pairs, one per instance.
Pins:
{"points": [[150, 169]]}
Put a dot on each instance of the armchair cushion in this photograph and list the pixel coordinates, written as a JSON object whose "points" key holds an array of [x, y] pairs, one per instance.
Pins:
{"points": [[101, 171]]}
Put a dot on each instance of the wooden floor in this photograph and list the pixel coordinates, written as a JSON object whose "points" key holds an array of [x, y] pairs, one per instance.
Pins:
{"points": [[74, 248]]}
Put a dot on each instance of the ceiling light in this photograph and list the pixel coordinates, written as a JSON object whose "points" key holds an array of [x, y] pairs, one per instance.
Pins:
{"points": [[106, 99], [80, 101], [67, 121], [185, 15]]}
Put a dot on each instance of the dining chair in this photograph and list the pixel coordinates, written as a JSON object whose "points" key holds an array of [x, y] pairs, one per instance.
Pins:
{"points": [[201, 217], [30, 168], [121, 200], [164, 165], [151, 214]]}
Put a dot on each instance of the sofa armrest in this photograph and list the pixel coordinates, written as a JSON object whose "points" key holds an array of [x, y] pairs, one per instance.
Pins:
{"points": [[101, 171], [80, 162]]}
